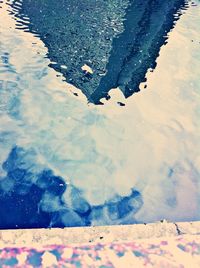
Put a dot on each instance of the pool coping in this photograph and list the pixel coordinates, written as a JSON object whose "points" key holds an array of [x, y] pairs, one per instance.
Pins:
{"points": [[99, 234]]}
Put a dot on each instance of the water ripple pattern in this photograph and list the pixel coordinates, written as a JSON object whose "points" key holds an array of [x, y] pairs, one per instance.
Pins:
{"points": [[64, 162], [101, 45]]}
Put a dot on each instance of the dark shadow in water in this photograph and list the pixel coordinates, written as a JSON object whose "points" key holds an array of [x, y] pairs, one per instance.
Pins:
{"points": [[136, 49], [89, 32]]}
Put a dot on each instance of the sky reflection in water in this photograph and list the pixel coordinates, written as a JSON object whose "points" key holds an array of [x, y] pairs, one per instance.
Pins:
{"points": [[65, 162]]}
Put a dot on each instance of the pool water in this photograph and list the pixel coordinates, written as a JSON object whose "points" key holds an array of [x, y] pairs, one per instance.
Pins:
{"points": [[65, 161]]}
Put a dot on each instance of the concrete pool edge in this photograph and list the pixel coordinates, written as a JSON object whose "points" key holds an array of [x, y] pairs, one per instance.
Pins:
{"points": [[99, 234]]}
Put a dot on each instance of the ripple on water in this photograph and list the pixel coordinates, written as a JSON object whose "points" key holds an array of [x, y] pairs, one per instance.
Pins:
{"points": [[67, 163]]}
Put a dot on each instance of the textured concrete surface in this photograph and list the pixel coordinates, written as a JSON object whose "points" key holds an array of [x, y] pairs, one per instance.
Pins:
{"points": [[105, 234]]}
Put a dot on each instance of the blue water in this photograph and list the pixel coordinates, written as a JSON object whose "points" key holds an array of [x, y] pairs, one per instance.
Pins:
{"points": [[67, 162], [118, 40]]}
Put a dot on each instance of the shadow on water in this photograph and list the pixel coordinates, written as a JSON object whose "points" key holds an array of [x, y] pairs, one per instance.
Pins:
{"points": [[118, 40], [135, 50]]}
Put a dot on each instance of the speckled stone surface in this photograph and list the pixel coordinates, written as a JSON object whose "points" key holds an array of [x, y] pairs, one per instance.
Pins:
{"points": [[103, 234], [159, 244]]}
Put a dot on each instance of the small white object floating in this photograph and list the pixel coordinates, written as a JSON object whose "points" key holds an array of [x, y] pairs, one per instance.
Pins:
{"points": [[87, 69], [63, 66]]}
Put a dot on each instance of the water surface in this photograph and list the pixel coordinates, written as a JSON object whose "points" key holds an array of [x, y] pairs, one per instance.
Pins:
{"points": [[65, 162]]}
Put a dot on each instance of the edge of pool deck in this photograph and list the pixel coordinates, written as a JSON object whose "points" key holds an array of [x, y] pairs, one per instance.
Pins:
{"points": [[100, 234]]}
